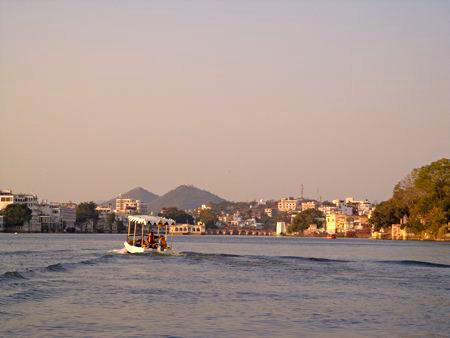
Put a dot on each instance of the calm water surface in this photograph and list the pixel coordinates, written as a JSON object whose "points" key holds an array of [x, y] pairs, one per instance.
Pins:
{"points": [[73, 285]]}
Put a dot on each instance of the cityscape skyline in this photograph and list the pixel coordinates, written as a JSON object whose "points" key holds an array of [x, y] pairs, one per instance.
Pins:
{"points": [[244, 101]]}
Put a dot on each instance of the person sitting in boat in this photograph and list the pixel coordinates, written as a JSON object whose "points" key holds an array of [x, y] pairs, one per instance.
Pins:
{"points": [[150, 241], [162, 243]]}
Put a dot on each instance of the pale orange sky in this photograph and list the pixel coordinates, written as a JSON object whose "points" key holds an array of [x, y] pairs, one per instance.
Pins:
{"points": [[245, 99]]}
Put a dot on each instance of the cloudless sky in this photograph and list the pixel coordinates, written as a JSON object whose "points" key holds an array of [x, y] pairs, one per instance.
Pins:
{"points": [[247, 99]]}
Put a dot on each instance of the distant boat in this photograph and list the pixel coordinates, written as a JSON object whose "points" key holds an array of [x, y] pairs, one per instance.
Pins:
{"points": [[331, 236]]}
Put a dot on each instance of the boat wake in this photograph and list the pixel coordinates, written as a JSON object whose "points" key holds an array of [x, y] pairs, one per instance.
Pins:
{"points": [[196, 257], [56, 267], [416, 263]]}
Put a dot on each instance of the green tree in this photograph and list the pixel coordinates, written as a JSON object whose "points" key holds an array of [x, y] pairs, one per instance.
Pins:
{"points": [[385, 214], [305, 218], [86, 211], [423, 196], [121, 228], [16, 215], [208, 217], [178, 216], [110, 219]]}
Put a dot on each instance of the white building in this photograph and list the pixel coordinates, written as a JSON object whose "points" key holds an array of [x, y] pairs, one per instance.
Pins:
{"points": [[130, 206], [281, 228], [31, 201], [6, 198], [328, 209], [57, 217], [187, 229]]}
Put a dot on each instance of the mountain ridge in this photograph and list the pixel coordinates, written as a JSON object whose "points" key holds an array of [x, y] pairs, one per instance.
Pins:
{"points": [[183, 197], [137, 193]]}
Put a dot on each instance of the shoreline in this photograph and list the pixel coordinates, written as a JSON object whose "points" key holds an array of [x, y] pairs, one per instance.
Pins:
{"points": [[228, 235]]}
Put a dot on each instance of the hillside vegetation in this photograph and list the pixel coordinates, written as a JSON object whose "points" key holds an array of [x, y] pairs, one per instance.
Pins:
{"points": [[423, 197]]}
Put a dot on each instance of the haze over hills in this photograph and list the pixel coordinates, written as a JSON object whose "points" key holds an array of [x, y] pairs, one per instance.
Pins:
{"points": [[137, 193], [184, 197]]}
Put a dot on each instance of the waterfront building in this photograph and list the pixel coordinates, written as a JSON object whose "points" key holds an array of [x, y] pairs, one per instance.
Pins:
{"points": [[130, 206], [281, 228], [339, 223], [68, 216], [56, 217], [287, 204], [309, 205], [7, 197], [187, 229]]}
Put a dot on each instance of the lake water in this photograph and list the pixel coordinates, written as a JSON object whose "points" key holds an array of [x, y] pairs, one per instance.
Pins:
{"points": [[73, 285]]}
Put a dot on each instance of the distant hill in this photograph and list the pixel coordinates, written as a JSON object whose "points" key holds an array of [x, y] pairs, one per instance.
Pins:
{"points": [[137, 193], [185, 197]]}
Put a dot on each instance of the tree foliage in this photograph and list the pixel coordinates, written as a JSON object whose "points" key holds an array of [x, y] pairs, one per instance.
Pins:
{"points": [[304, 219], [423, 196], [179, 216], [208, 217], [86, 211], [16, 215], [385, 214]]}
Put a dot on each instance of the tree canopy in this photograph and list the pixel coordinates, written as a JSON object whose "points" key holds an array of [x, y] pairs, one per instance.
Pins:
{"points": [[86, 211], [423, 196], [16, 215], [304, 219], [208, 217], [177, 215]]}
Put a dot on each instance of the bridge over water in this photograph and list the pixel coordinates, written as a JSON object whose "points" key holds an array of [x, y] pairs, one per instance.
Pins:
{"points": [[239, 232]]}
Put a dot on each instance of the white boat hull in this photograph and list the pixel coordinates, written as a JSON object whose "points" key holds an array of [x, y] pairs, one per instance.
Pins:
{"points": [[139, 250], [135, 249]]}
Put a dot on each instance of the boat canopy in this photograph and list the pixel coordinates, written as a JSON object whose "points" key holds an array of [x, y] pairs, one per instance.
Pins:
{"points": [[153, 220]]}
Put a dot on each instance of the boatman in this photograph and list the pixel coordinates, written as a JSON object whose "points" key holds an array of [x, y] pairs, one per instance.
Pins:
{"points": [[151, 239], [162, 243]]}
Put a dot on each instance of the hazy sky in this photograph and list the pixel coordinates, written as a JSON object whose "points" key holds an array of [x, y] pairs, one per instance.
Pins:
{"points": [[247, 99]]}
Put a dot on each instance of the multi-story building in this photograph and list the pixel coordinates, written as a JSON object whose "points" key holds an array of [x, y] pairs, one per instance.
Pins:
{"points": [[6, 198], [57, 217], [351, 206], [130, 206], [339, 223], [287, 204], [309, 205], [31, 201]]}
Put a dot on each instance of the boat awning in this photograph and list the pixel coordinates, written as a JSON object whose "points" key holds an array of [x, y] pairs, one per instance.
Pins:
{"points": [[153, 220]]}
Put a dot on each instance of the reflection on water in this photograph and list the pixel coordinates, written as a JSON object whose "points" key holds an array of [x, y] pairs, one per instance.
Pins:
{"points": [[74, 285]]}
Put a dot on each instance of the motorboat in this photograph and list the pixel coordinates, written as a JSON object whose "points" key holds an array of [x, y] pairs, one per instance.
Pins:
{"points": [[148, 234]]}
